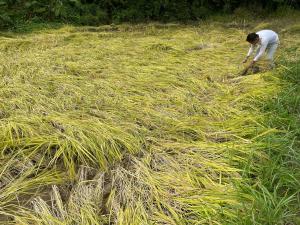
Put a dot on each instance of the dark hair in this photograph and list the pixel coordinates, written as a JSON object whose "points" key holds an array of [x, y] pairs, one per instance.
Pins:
{"points": [[252, 37]]}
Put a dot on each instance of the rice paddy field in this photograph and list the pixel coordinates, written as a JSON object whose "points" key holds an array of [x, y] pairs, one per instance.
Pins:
{"points": [[149, 124]]}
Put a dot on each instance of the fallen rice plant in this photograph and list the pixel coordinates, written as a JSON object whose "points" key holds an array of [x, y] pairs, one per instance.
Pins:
{"points": [[136, 124]]}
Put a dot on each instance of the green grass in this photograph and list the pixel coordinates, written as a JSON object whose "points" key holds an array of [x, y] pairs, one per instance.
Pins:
{"points": [[279, 177], [148, 124]]}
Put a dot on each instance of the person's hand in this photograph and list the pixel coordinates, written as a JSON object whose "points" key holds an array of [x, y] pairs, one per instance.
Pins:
{"points": [[252, 63], [245, 60]]}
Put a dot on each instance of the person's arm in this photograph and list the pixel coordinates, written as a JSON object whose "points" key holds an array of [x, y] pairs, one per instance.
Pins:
{"points": [[249, 53], [261, 51], [251, 49]]}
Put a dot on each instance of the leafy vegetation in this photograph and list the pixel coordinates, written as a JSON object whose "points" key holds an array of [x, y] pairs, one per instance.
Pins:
{"points": [[93, 12]]}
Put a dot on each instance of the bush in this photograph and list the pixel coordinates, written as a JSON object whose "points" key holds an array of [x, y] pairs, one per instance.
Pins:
{"points": [[5, 21], [93, 12]]}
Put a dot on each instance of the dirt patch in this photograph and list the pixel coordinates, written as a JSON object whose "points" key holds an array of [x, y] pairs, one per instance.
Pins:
{"points": [[237, 25], [107, 28], [161, 47], [198, 47]]}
